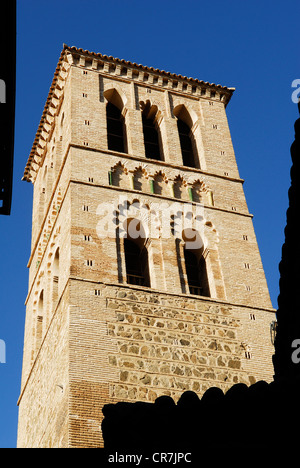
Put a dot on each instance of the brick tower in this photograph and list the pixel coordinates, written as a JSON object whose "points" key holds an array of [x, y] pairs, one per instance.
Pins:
{"points": [[145, 277]]}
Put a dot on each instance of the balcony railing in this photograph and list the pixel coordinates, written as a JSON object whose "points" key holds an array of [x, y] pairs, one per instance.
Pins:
{"points": [[136, 280], [196, 290]]}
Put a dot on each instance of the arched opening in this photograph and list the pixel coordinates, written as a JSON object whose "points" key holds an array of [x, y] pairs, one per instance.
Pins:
{"points": [[152, 149], [120, 176], [186, 144], [178, 188], [196, 274], [152, 138], [136, 254], [137, 266], [197, 192], [41, 303], [56, 263], [159, 183], [55, 270], [195, 264], [115, 128], [39, 323], [186, 137]]}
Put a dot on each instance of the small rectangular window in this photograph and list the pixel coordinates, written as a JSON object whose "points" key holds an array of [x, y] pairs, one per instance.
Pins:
{"points": [[97, 292], [85, 208]]}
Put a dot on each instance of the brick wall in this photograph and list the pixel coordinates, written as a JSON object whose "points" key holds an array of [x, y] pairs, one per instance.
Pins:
{"points": [[91, 338]]}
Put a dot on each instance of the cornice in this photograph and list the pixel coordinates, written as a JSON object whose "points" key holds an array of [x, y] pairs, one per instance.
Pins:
{"points": [[137, 72]]}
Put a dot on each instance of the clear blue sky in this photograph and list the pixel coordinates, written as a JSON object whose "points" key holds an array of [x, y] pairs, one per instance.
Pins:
{"points": [[251, 45]]}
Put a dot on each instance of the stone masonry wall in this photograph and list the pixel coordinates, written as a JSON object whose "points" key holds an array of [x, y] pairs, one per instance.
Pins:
{"points": [[130, 344]]}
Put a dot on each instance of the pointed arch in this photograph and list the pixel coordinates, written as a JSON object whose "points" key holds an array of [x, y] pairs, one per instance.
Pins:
{"points": [[197, 191], [141, 179], [55, 275], [40, 306], [39, 321], [136, 254], [116, 128], [116, 97], [160, 180], [195, 264], [120, 175], [151, 131], [187, 141]]}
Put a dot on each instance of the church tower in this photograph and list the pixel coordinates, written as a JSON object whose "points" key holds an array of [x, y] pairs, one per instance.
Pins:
{"points": [[145, 277]]}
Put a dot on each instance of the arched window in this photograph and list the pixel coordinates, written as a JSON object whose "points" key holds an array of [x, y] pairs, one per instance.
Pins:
{"points": [[56, 264], [185, 121], [55, 271], [41, 303], [115, 128], [195, 264], [152, 140], [196, 273], [136, 255], [39, 323], [186, 144]]}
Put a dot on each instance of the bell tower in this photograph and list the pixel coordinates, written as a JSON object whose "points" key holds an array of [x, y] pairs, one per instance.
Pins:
{"points": [[145, 277]]}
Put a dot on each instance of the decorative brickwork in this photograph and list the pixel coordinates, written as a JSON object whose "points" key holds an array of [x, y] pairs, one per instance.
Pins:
{"points": [[94, 332]]}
